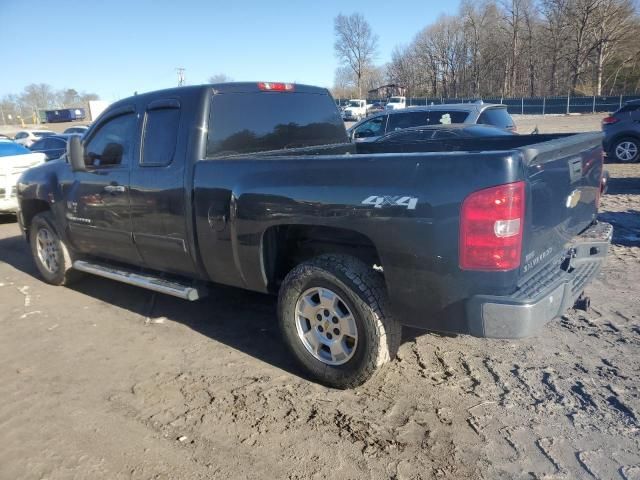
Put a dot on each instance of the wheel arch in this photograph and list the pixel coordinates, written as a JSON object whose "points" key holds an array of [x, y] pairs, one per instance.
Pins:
{"points": [[29, 208], [619, 136], [285, 246]]}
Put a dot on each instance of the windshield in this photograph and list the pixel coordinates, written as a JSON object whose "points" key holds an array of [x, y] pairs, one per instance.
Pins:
{"points": [[8, 149], [353, 103], [396, 100]]}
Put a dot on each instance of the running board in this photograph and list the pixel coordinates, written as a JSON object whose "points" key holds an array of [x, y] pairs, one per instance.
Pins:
{"points": [[144, 280]]}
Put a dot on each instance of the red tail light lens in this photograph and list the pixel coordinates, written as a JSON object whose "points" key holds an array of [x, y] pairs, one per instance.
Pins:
{"points": [[491, 224], [609, 120], [276, 87]]}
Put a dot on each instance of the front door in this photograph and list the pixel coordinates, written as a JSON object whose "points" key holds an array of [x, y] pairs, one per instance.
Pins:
{"points": [[98, 204]]}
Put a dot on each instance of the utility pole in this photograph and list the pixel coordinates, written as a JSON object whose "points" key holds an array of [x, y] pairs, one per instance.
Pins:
{"points": [[180, 72]]}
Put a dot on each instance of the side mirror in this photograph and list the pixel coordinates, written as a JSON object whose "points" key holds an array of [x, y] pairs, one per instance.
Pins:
{"points": [[75, 154]]}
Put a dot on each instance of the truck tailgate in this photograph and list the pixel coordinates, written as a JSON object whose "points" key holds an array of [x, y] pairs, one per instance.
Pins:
{"points": [[564, 178]]}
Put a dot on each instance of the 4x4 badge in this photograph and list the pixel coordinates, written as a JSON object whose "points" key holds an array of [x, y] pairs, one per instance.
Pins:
{"points": [[379, 201]]}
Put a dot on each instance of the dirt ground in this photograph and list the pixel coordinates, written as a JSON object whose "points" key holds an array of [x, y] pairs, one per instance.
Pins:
{"points": [[107, 381]]}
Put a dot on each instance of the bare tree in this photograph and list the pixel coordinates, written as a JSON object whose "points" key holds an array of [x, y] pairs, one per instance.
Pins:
{"points": [[344, 83], [613, 24], [220, 78], [356, 45], [524, 47], [39, 96]]}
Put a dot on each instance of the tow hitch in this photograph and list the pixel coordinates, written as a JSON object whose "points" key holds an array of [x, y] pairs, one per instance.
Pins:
{"points": [[582, 303]]}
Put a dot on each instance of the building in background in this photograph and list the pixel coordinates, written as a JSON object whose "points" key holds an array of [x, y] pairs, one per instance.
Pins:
{"points": [[386, 91]]}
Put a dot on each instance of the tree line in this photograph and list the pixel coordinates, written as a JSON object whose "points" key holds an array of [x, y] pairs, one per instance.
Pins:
{"points": [[41, 96], [503, 48]]}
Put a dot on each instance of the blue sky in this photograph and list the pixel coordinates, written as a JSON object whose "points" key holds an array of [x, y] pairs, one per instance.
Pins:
{"points": [[116, 47]]}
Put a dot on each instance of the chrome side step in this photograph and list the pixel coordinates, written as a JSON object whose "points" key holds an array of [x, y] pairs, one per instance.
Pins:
{"points": [[144, 280]]}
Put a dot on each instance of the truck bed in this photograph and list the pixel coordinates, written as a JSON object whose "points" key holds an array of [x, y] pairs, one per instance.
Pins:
{"points": [[332, 186]]}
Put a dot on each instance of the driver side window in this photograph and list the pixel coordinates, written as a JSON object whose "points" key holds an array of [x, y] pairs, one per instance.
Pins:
{"points": [[112, 144], [371, 128]]}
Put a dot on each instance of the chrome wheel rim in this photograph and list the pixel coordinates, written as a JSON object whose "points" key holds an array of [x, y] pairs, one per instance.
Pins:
{"points": [[326, 327], [626, 151], [47, 250]]}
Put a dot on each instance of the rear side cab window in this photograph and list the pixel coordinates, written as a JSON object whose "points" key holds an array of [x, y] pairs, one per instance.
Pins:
{"points": [[498, 117], [21, 135], [371, 128], [162, 121], [113, 142]]}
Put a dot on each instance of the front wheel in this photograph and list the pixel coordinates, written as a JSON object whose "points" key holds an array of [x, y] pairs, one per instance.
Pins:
{"points": [[49, 252], [334, 316], [626, 150]]}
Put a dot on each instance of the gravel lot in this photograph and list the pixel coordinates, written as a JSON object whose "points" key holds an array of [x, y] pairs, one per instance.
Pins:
{"points": [[108, 381]]}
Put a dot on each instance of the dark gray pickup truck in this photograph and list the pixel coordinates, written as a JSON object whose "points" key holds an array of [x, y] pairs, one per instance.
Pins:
{"points": [[256, 185]]}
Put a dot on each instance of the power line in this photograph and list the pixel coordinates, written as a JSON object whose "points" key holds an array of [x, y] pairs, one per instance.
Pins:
{"points": [[180, 72]]}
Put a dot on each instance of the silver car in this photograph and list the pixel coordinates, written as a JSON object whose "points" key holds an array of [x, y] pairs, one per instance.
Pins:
{"points": [[373, 127]]}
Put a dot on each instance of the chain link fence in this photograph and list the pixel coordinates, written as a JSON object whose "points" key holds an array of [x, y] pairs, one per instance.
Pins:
{"points": [[531, 105]]}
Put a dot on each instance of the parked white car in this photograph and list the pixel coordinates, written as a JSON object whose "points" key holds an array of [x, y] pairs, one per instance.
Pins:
{"points": [[396, 103], [14, 159], [27, 137], [355, 110], [79, 129]]}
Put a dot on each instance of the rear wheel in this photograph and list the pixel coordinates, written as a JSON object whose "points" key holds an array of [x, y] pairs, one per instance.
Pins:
{"points": [[49, 252], [334, 315], [626, 150]]}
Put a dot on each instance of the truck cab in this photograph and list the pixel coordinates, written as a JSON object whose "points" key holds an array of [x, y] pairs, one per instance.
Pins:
{"points": [[396, 103]]}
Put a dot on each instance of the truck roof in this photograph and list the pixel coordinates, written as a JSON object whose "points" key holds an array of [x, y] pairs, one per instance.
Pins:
{"points": [[229, 87]]}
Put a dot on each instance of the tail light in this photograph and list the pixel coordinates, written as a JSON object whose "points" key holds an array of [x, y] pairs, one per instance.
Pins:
{"points": [[609, 120], [491, 224], [276, 87]]}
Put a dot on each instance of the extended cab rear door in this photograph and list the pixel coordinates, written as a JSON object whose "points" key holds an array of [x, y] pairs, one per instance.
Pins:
{"points": [[158, 203]]}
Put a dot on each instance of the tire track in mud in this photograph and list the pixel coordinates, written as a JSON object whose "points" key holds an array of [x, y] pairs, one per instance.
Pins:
{"points": [[264, 411]]}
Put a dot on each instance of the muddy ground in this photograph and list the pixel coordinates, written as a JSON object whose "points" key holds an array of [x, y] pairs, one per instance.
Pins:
{"points": [[108, 381]]}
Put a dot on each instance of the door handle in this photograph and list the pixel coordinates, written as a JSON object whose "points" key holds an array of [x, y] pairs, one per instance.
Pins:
{"points": [[114, 189]]}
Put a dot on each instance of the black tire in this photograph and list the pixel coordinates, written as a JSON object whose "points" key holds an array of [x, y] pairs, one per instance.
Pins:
{"points": [[631, 140], [59, 272], [363, 292]]}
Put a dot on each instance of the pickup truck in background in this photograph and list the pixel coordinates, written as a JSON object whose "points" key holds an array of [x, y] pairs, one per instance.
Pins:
{"points": [[355, 110], [256, 185], [396, 103]]}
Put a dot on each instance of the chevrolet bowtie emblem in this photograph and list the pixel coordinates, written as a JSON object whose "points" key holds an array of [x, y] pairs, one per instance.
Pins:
{"points": [[573, 199]]}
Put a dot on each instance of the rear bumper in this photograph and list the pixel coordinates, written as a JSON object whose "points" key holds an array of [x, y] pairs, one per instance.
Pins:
{"points": [[545, 297]]}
